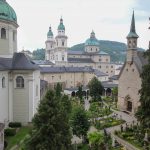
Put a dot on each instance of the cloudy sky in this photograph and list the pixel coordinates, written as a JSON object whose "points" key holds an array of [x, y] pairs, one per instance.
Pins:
{"points": [[110, 19]]}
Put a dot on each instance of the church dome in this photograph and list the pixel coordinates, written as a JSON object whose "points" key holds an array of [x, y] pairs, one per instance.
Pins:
{"points": [[92, 41], [61, 25], [7, 12], [50, 33]]}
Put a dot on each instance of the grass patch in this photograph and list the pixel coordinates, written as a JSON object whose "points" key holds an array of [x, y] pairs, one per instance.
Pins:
{"points": [[14, 140]]}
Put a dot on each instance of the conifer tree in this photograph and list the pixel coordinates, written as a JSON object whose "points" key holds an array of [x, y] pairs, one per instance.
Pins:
{"points": [[51, 130], [143, 113]]}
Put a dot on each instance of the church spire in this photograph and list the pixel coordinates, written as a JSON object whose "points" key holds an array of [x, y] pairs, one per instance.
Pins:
{"points": [[132, 33]]}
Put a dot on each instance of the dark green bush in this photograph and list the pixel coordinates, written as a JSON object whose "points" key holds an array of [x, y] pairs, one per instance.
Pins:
{"points": [[10, 132], [15, 124]]}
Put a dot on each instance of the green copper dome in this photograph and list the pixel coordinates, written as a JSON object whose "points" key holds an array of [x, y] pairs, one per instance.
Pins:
{"points": [[7, 12], [92, 41], [50, 33], [61, 25]]}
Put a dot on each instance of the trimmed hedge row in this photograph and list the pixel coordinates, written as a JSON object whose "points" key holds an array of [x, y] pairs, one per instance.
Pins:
{"points": [[10, 131], [15, 124]]}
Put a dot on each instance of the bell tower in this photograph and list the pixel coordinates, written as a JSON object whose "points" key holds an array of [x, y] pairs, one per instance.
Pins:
{"points": [[50, 46], [61, 43], [132, 41]]}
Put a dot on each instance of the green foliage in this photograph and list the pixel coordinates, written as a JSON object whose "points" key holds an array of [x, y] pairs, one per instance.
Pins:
{"points": [[96, 140], [51, 130], [96, 89], [58, 89], [39, 54], [80, 93], [79, 122], [10, 132], [15, 124], [143, 113]]}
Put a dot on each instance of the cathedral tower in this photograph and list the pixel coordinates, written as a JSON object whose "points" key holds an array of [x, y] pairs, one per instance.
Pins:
{"points": [[50, 46], [132, 41], [61, 43], [8, 30]]}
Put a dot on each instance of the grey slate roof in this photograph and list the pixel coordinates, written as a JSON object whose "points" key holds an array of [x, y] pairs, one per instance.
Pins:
{"points": [[98, 73], [43, 62], [5, 63], [63, 69], [21, 62], [140, 60], [80, 60], [109, 85], [18, 62], [78, 52]]}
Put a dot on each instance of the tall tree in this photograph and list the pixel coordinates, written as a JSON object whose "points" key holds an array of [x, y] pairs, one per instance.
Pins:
{"points": [[58, 89], [51, 130], [95, 88], [79, 122], [143, 113], [80, 92]]}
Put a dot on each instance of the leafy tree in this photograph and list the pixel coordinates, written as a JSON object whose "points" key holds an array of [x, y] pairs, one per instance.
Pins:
{"points": [[39, 54], [79, 122], [96, 89], [58, 89], [96, 140], [51, 130], [143, 113]]}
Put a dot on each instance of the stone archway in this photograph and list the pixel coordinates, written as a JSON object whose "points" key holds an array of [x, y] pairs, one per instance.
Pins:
{"points": [[108, 92], [128, 103], [73, 94]]}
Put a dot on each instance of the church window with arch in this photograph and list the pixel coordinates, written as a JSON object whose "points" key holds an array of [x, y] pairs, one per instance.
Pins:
{"points": [[3, 82], [19, 82], [3, 33]]}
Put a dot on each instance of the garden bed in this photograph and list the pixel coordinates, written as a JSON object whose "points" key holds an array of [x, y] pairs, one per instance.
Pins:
{"points": [[16, 139]]}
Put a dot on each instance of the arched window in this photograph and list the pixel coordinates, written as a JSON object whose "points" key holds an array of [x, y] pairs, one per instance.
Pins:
{"points": [[19, 82], [3, 33], [63, 43], [3, 82]]}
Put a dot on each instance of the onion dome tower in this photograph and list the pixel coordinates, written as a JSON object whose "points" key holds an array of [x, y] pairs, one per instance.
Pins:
{"points": [[50, 45], [61, 43]]}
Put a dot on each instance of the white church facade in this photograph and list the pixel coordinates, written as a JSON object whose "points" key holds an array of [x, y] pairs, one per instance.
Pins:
{"points": [[19, 77]]}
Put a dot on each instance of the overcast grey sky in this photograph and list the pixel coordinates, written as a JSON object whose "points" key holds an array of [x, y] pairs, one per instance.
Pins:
{"points": [[110, 19]]}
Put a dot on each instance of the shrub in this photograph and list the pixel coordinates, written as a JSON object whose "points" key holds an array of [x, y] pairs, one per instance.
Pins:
{"points": [[15, 124], [10, 132]]}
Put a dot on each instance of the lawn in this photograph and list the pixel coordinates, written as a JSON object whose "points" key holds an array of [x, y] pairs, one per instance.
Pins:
{"points": [[13, 140]]}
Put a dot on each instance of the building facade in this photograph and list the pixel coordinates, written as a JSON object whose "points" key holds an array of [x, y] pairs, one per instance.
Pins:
{"points": [[19, 76], [57, 52], [129, 78]]}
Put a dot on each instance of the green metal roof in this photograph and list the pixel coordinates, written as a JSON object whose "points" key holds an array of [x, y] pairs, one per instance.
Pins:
{"points": [[50, 33], [61, 25], [7, 12], [92, 41], [132, 33]]}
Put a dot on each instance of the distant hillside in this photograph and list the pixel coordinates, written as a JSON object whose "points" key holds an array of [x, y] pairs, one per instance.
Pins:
{"points": [[116, 50]]}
